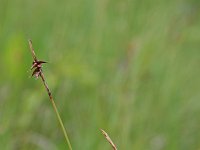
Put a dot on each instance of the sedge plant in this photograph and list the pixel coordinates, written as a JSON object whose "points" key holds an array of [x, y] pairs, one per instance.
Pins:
{"points": [[37, 66]]}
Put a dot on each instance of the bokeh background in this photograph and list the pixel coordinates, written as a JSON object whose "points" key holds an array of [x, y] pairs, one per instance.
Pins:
{"points": [[130, 67]]}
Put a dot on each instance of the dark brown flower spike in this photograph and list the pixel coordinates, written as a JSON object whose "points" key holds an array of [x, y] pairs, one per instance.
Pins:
{"points": [[37, 64]]}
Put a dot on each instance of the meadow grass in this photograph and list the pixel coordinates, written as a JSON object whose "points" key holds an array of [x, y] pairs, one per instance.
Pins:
{"points": [[130, 67]]}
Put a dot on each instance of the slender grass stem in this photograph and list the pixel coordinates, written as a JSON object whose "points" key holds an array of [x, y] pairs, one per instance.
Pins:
{"points": [[37, 65], [56, 111]]}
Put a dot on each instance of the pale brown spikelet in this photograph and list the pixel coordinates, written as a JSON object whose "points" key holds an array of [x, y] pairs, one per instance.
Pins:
{"points": [[108, 139]]}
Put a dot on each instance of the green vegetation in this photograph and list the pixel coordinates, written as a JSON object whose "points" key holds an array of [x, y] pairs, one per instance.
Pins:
{"points": [[127, 66]]}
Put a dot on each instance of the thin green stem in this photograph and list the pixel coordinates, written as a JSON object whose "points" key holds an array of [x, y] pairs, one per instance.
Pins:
{"points": [[56, 111], [37, 65]]}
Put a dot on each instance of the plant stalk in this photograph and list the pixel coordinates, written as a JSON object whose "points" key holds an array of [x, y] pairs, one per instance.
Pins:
{"points": [[56, 110], [37, 66]]}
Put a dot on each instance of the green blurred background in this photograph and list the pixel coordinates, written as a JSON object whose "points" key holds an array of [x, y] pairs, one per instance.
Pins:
{"points": [[130, 67]]}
